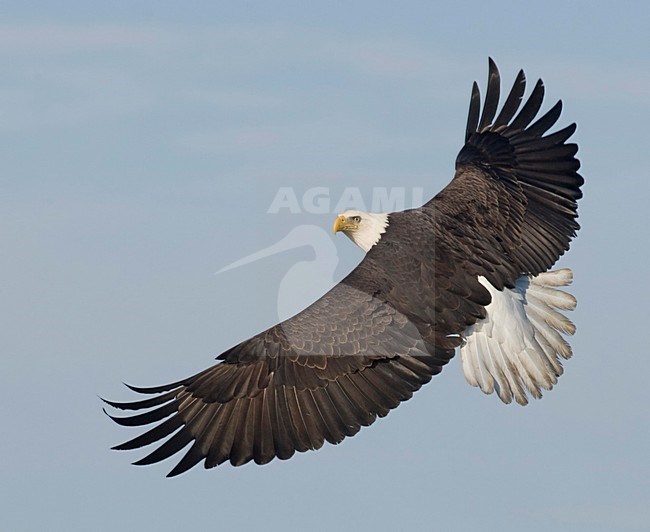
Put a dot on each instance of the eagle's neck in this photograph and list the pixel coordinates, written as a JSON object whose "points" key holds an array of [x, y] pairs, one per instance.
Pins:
{"points": [[370, 230]]}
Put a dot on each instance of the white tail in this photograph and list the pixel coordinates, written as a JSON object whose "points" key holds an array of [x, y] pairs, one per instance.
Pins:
{"points": [[518, 347]]}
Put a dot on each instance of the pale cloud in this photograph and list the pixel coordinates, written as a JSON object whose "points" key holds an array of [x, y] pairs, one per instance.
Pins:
{"points": [[55, 38], [64, 95], [67, 90], [302, 136], [51, 82], [235, 99], [264, 46], [379, 56]]}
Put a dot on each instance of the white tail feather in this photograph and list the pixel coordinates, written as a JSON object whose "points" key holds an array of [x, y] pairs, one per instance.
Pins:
{"points": [[516, 349], [550, 316], [561, 277]]}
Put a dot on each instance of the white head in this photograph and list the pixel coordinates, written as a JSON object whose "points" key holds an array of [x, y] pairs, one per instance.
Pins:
{"points": [[363, 228]]}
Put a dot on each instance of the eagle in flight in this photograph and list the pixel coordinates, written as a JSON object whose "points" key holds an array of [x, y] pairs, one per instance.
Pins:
{"points": [[469, 269]]}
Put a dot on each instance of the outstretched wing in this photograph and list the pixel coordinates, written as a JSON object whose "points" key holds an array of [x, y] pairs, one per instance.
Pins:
{"points": [[508, 215], [512, 203], [321, 375]]}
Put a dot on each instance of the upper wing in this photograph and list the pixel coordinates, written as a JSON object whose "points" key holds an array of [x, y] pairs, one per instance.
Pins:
{"points": [[320, 375], [512, 201]]}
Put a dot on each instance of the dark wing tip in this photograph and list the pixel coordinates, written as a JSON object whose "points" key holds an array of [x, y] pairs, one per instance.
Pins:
{"points": [[146, 418], [154, 389], [530, 108], [491, 96], [548, 120], [158, 432], [189, 460], [474, 110], [512, 101], [142, 404]]}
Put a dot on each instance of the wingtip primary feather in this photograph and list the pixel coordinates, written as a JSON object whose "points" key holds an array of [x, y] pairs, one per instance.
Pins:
{"points": [[474, 111]]}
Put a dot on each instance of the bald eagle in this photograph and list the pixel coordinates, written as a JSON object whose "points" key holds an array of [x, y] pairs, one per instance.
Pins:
{"points": [[470, 269]]}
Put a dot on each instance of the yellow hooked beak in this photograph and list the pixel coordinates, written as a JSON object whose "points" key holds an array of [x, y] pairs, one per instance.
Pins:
{"points": [[343, 224]]}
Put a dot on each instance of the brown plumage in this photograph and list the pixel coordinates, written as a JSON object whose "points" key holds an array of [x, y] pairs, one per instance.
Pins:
{"points": [[394, 321]]}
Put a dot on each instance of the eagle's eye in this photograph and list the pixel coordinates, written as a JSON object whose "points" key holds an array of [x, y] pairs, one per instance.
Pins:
{"points": [[356, 219]]}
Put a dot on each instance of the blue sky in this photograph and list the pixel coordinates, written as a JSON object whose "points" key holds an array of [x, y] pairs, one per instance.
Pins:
{"points": [[141, 146]]}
